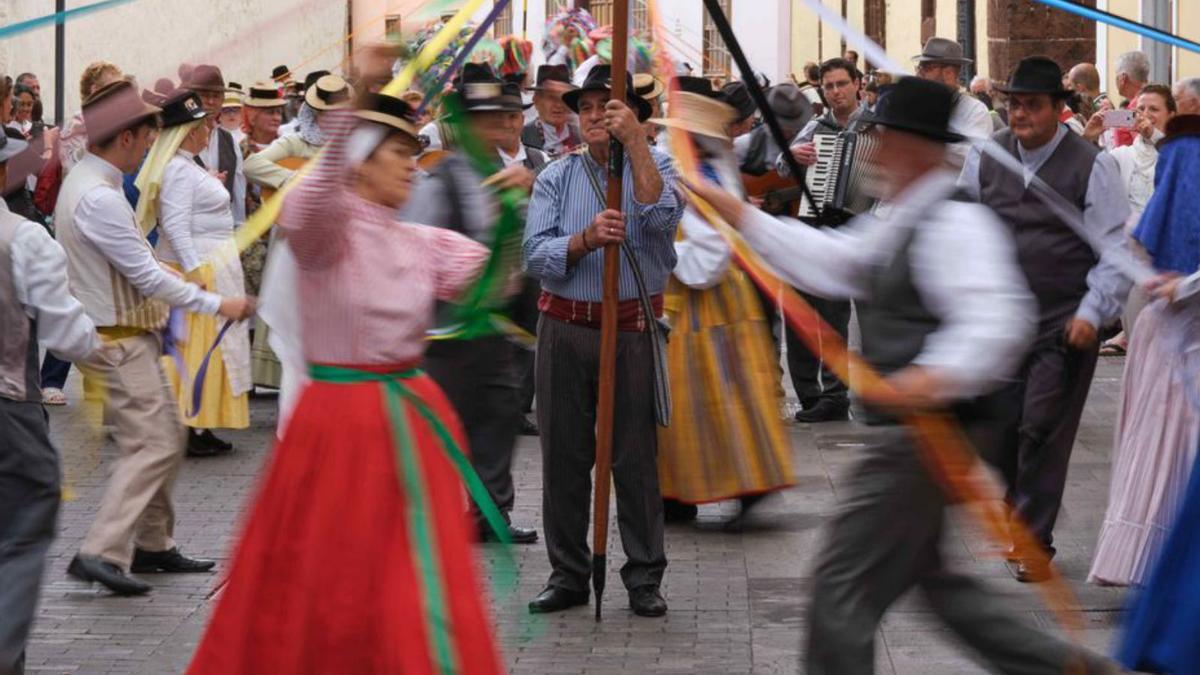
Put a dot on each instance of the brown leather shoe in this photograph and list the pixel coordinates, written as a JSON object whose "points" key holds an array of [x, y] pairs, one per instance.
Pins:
{"points": [[1028, 571]]}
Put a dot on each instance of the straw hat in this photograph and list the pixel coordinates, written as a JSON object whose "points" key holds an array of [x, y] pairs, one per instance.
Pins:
{"points": [[233, 99], [389, 111], [264, 95], [330, 92], [698, 114], [648, 86]]}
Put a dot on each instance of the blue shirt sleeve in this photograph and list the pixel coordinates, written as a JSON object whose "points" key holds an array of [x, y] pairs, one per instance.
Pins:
{"points": [[545, 247]]}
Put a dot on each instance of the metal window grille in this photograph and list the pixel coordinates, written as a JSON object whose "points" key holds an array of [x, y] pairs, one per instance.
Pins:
{"points": [[717, 62], [504, 23]]}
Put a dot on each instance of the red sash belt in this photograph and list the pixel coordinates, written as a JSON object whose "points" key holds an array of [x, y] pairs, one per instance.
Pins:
{"points": [[630, 316]]}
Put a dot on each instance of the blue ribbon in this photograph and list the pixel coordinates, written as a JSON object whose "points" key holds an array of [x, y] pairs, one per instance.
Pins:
{"points": [[1121, 22], [58, 17]]}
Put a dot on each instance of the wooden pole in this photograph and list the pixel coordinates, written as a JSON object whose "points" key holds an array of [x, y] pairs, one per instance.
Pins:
{"points": [[608, 320]]}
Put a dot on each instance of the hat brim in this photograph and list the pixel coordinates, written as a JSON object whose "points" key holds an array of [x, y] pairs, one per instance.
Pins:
{"points": [[390, 121], [12, 148], [264, 103], [566, 86], [655, 91], [1056, 93], [690, 126], [925, 58], [933, 134], [207, 89], [315, 102], [639, 104]]}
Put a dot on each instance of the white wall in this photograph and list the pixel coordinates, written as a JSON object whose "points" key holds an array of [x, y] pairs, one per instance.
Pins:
{"points": [[149, 39]]}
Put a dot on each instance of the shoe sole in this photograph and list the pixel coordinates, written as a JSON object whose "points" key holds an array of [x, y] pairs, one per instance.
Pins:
{"points": [[114, 591]]}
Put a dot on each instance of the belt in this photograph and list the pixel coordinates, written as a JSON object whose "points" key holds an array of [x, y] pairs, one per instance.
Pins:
{"points": [[630, 315], [119, 332]]}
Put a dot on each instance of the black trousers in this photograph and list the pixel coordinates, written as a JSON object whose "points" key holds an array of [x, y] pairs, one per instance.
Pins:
{"points": [[885, 540], [30, 493], [480, 379], [568, 360], [1047, 404], [811, 377]]}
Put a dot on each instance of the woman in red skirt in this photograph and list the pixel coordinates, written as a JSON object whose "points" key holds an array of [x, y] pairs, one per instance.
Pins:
{"points": [[357, 556]]}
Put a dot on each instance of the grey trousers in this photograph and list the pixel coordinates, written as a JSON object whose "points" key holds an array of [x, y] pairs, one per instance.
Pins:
{"points": [[811, 376], [1037, 442], [885, 541], [568, 361], [480, 379], [29, 498]]}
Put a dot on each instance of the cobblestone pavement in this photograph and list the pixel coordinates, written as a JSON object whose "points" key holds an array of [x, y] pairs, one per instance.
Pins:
{"points": [[736, 600]]}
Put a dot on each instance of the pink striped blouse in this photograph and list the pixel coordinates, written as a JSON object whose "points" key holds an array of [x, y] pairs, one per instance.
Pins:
{"points": [[368, 282]]}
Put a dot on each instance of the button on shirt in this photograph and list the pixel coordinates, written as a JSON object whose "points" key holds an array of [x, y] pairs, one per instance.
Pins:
{"points": [[1105, 210], [564, 204]]}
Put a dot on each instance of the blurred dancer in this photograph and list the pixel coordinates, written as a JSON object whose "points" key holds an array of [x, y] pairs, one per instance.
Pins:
{"points": [[726, 440], [356, 555], [127, 293], [36, 308], [945, 316], [1078, 292], [479, 375]]}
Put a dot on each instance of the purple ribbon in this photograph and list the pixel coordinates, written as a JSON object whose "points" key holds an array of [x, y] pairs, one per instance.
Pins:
{"points": [[198, 382], [463, 53]]}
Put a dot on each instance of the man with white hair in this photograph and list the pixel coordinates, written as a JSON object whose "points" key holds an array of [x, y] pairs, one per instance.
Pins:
{"points": [[1187, 96], [1133, 72]]}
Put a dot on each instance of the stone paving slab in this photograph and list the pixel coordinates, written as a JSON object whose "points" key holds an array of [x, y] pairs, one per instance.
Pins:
{"points": [[737, 599]]}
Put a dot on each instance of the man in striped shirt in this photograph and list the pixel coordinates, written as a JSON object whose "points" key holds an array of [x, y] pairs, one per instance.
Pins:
{"points": [[568, 223]]}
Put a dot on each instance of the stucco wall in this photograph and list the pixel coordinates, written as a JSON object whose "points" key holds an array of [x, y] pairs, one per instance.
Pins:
{"points": [[149, 38]]}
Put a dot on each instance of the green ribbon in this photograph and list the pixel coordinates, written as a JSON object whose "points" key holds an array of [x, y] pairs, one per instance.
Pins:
{"points": [[477, 311], [396, 395]]}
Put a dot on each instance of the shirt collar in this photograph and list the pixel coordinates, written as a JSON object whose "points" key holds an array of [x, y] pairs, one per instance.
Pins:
{"points": [[110, 172], [555, 133], [187, 154], [509, 160], [1034, 159]]}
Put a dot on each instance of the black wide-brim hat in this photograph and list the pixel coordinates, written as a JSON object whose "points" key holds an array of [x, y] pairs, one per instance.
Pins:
{"points": [[1036, 75], [479, 90], [917, 106], [600, 79]]}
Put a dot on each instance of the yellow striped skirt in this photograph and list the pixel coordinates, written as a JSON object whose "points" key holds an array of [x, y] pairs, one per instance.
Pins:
{"points": [[219, 407], [726, 438]]}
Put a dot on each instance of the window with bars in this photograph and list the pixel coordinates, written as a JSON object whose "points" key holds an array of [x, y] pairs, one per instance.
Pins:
{"points": [[391, 24], [928, 19], [875, 21], [717, 62], [504, 23], [639, 19], [601, 11]]}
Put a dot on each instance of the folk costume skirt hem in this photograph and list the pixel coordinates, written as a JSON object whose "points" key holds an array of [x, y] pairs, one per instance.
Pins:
{"points": [[356, 557]]}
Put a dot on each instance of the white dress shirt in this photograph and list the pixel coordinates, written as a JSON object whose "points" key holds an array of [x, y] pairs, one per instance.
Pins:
{"points": [[1105, 211], [963, 264], [105, 220], [39, 267], [703, 256], [971, 118], [194, 214], [211, 155]]}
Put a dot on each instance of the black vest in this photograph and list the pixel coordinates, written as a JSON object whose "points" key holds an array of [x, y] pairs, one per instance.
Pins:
{"points": [[1055, 260]]}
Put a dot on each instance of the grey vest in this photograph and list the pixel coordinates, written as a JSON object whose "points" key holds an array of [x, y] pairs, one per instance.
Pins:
{"points": [[895, 322], [1054, 259], [18, 339]]}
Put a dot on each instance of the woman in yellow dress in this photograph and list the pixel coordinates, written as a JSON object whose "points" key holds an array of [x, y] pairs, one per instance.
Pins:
{"points": [[726, 440], [192, 210]]}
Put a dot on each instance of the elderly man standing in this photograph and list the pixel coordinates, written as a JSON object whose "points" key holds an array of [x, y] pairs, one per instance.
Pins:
{"points": [[222, 154], [552, 132], [941, 61], [1078, 292], [1187, 96], [1133, 72], [568, 224]]}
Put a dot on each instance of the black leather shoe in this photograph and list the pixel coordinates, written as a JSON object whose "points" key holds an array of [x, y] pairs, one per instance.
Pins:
{"points": [[92, 569], [197, 447], [518, 535], [647, 601], [675, 511], [210, 439], [555, 599], [825, 410], [171, 561], [529, 427]]}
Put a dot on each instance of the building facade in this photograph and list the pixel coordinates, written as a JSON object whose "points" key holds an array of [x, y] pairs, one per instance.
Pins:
{"points": [[245, 38], [998, 33]]}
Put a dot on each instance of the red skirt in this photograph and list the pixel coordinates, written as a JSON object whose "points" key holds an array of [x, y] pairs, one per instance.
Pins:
{"points": [[325, 578]]}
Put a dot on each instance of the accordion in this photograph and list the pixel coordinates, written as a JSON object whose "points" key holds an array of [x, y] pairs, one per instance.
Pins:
{"points": [[842, 178]]}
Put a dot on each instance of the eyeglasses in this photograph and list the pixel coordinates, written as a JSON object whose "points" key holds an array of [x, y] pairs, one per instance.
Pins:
{"points": [[1032, 104]]}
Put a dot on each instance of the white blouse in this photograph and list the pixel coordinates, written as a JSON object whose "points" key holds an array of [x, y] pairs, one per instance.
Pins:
{"points": [[703, 257], [194, 214]]}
